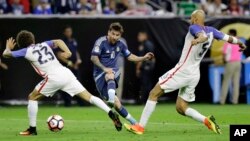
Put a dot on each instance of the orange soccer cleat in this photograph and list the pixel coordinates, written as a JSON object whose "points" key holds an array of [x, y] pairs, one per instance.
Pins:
{"points": [[137, 129], [212, 125]]}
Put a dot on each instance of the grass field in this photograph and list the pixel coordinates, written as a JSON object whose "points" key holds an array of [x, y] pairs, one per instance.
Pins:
{"points": [[91, 124]]}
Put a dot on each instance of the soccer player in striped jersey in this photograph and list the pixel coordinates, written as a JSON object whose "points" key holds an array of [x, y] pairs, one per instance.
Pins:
{"points": [[56, 76], [186, 74]]}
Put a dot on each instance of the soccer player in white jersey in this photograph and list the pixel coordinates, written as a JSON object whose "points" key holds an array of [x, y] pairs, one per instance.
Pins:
{"points": [[186, 74], [56, 77]]}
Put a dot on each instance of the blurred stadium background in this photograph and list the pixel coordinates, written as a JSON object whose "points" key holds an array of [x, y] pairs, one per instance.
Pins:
{"points": [[167, 33]]}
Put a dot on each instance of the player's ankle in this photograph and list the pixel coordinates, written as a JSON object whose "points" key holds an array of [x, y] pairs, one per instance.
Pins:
{"points": [[32, 128]]}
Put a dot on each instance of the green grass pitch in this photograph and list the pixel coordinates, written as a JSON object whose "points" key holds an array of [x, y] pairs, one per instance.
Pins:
{"points": [[92, 124]]}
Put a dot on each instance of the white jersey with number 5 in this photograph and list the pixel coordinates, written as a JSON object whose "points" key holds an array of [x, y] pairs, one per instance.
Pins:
{"points": [[186, 74], [192, 55]]}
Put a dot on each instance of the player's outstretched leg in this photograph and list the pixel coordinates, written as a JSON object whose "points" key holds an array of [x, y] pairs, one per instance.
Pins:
{"points": [[183, 109], [85, 95], [212, 125], [149, 108]]}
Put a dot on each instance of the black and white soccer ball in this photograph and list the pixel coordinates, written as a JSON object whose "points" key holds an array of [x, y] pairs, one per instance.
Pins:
{"points": [[55, 123]]}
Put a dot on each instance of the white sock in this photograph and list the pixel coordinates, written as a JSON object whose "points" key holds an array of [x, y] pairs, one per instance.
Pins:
{"points": [[99, 103], [131, 119], [32, 112], [111, 93], [195, 115], [147, 111]]}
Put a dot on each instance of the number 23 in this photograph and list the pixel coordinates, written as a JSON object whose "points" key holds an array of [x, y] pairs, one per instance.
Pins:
{"points": [[40, 52]]}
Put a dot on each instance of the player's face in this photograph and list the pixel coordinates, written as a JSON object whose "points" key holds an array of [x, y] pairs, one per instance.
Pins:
{"points": [[141, 37], [113, 36], [68, 32]]}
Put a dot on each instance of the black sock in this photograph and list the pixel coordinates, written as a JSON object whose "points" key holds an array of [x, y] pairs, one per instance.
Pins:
{"points": [[32, 128]]}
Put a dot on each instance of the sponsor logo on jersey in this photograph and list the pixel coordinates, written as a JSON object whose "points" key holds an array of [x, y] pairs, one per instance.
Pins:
{"points": [[118, 49]]}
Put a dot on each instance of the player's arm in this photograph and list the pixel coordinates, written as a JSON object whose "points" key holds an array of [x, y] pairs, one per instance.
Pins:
{"points": [[78, 58], [10, 44], [198, 34], [234, 40], [135, 58], [60, 43], [228, 38], [63, 59], [96, 61], [201, 38], [138, 68]]}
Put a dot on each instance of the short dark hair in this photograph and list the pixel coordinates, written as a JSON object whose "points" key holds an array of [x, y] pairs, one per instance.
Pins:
{"points": [[116, 26], [143, 32], [233, 32], [25, 38], [66, 27]]}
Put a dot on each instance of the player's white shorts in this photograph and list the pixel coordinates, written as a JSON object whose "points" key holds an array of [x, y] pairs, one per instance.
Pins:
{"points": [[64, 80], [175, 79]]}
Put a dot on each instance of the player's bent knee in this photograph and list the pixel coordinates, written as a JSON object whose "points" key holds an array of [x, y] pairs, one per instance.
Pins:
{"points": [[180, 110], [30, 97], [109, 76]]}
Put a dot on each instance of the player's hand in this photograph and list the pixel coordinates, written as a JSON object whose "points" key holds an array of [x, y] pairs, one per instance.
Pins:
{"points": [[149, 56], [242, 47], [65, 55], [76, 65], [78, 61], [10, 43], [108, 70], [194, 42], [4, 66]]}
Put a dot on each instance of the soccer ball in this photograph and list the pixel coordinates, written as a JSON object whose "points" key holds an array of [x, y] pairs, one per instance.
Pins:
{"points": [[55, 123]]}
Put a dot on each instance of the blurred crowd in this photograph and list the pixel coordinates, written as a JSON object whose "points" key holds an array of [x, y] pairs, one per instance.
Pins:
{"points": [[125, 7]]}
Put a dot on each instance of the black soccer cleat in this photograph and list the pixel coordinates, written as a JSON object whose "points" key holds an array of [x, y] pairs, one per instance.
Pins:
{"points": [[115, 117], [29, 132]]}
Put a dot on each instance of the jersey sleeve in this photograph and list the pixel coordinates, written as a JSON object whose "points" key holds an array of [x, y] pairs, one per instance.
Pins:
{"points": [[96, 50], [217, 34], [19, 53], [195, 29], [50, 43], [125, 50]]}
